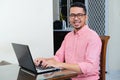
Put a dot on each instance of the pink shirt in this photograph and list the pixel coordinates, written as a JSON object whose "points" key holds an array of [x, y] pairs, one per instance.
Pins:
{"points": [[82, 48]]}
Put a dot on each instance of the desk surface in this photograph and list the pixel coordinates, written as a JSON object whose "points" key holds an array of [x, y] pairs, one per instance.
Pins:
{"points": [[13, 72]]}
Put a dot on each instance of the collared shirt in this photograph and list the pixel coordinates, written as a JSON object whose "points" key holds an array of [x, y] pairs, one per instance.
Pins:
{"points": [[82, 48]]}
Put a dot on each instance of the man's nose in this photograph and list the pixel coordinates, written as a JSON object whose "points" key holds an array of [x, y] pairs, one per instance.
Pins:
{"points": [[76, 17]]}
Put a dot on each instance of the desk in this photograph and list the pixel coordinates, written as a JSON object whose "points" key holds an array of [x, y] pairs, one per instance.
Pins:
{"points": [[13, 72]]}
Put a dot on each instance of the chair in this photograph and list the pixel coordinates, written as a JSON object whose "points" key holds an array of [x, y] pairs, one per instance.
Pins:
{"points": [[104, 40]]}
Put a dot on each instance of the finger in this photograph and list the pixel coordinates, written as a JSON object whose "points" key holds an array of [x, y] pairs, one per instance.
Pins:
{"points": [[37, 62], [40, 63]]}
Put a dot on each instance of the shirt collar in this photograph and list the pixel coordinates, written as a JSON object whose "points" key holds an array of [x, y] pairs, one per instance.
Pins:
{"points": [[81, 30]]}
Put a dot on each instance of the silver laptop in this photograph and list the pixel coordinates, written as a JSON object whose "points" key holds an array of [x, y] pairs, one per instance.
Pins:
{"points": [[25, 59]]}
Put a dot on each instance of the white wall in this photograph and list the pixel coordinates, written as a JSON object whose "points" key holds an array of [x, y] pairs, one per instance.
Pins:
{"points": [[27, 22], [114, 32]]}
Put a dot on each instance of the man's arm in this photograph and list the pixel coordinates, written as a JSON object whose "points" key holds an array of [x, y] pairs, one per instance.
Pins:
{"points": [[46, 62], [54, 63]]}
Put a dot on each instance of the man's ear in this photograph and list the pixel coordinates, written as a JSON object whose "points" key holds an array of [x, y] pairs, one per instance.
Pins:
{"points": [[86, 17]]}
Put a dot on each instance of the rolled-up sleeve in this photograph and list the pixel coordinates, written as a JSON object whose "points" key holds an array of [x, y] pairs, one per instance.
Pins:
{"points": [[92, 57]]}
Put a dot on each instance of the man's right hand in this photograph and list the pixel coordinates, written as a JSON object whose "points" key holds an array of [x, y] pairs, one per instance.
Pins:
{"points": [[40, 62]]}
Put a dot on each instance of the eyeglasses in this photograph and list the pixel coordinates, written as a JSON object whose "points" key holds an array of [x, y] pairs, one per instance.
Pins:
{"points": [[79, 15]]}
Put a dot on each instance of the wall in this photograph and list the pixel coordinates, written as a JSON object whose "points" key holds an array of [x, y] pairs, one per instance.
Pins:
{"points": [[27, 22], [114, 31]]}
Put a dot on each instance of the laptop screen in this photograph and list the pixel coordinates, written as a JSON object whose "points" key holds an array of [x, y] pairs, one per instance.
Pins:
{"points": [[24, 57]]}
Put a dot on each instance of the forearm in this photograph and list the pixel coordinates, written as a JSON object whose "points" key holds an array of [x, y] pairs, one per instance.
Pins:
{"points": [[73, 67], [50, 58], [54, 63]]}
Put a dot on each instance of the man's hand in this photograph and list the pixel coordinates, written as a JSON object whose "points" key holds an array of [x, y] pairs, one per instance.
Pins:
{"points": [[40, 62], [53, 63], [46, 62]]}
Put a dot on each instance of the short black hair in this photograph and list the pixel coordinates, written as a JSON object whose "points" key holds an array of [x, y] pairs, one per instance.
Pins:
{"points": [[79, 4]]}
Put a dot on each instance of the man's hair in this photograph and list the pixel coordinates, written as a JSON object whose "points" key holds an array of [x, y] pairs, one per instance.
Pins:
{"points": [[79, 4]]}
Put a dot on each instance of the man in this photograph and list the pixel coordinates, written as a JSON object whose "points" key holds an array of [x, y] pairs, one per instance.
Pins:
{"points": [[80, 48]]}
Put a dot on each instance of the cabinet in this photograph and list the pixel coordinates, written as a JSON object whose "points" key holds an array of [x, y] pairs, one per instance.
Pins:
{"points": [[58, 38]]}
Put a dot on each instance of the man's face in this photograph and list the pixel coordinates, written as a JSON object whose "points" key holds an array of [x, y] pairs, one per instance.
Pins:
{"points": [[77, 17]]}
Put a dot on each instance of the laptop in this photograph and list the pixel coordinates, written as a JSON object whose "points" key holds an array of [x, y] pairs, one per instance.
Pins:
{"points": [[22, 75], [25, 59]]}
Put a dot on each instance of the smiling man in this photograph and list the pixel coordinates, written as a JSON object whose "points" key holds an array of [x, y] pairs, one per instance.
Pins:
{"points": [[80, 49]]}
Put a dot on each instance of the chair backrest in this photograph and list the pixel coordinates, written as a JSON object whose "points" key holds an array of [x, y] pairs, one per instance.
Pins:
{"points": [[104, 40]]}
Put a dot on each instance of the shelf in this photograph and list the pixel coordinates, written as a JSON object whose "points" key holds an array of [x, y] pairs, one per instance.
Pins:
{"points": [[67, 29]]}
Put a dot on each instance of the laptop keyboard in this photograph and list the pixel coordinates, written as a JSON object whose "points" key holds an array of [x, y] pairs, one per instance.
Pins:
{"points": [[40, 69]]}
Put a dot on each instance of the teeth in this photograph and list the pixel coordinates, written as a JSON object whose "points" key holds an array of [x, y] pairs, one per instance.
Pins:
{"points": [[76, 22]]}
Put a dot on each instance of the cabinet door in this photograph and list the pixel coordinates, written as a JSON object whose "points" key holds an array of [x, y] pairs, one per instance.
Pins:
{"points": [[58, 38]]}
